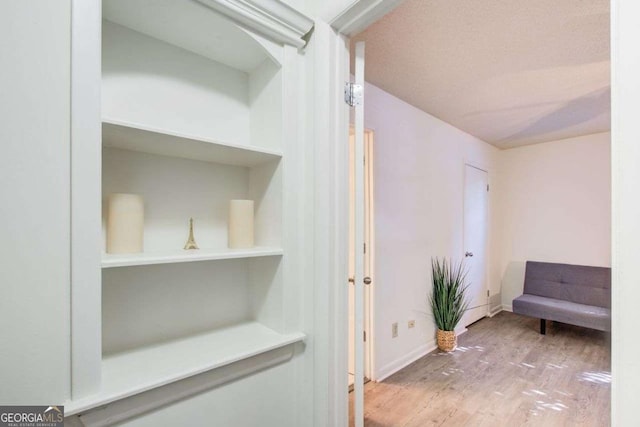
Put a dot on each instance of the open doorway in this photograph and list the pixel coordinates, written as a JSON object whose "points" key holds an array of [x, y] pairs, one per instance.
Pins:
{"points": [[446, 89], [368, 252]]}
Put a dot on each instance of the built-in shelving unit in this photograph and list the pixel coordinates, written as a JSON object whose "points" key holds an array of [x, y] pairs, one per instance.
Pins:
{"points": [[128, 373], [193, 116]]}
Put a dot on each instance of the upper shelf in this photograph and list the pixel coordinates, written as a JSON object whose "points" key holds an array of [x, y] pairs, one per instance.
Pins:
{"points": [[134, 137], [191, 26], [207, 27]]}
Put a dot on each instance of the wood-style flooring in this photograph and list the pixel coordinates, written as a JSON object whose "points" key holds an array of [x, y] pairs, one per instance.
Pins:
{"points": [[504, 373]]}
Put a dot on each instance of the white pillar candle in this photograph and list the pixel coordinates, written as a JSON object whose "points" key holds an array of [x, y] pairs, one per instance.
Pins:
{"points": [[240, 224], [125, 223]]}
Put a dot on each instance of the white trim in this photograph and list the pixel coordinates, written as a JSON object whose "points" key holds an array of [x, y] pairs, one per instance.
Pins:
{"points": [[402, 362], [625, 229], [371, 251], [398, 364], [361, 14], [328, 134], [459, 330], [340, 164], [86, 165], [335, 168], [122, 377], [271, 18], [623, 134], [507, 307], [369, 299], [495, 310], [156, 398], [359, 232], [299, 215]]}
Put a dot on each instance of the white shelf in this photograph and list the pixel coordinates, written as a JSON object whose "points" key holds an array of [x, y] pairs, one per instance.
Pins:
{"points": [[153, 258], [129, 373], [191, 26], [137, 137]]}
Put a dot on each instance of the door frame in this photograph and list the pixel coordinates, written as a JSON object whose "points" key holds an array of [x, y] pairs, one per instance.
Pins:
{"points": [[370, 307], [625, 128], [369, 295], [330, 137]]}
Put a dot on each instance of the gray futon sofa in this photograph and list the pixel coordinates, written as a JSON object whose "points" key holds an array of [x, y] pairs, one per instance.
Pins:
{"points": [[575, 294]]}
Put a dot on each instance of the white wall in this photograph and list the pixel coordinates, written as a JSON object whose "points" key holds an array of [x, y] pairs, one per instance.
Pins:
{"points": [[143, 79], [262, 399], [419, 181], [553, 204], [35, 210], [625, 100]]}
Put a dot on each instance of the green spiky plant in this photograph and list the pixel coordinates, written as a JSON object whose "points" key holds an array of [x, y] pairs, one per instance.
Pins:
{"points": [[448, 298]]}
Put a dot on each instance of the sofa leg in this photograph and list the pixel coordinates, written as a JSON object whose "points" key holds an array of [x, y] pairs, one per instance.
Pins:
{"points": [[543, 326]]}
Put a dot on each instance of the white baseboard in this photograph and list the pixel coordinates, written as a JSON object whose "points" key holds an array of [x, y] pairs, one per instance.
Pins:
{"points": [[393, 367], [497, 309], [402, 362], [460, 330]]}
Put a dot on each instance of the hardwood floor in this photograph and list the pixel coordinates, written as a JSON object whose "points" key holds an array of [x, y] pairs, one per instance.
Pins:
{"points": [[504, 373]]}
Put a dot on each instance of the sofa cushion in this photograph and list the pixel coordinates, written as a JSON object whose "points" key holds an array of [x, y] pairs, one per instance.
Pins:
{"points": [[576, 283], [589, 316]]}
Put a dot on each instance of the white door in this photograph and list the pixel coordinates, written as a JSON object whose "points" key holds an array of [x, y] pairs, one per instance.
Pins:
{"points": [[359, 225], [476, 187], [352, 255], [368, 251]]}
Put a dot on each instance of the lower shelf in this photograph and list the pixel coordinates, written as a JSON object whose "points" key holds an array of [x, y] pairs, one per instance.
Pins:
{"points": [[171, 257], [129, 373]]}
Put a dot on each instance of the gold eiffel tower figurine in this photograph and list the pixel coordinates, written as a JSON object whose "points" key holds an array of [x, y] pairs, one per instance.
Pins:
{"points": [[191, 242]]}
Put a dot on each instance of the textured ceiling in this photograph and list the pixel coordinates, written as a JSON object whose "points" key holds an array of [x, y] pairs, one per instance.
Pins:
{"points": [[510, 72]]}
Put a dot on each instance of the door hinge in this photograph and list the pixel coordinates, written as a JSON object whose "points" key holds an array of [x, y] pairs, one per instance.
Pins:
{"points": [[353, 94], [364, 335], [488, 293], [365, 248], [487, 187]]}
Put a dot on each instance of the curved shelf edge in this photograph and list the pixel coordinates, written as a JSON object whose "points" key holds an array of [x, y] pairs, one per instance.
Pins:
{"points": [[274, 19], [155, 258], [133, 372]]}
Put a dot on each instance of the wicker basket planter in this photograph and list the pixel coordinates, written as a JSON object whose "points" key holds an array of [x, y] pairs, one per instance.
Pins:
{"points": [[448, 300], [447, 340]]}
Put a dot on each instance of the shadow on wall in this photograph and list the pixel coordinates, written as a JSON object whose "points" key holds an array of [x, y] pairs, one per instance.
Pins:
{"points": [[512, 283], [573, 113]]}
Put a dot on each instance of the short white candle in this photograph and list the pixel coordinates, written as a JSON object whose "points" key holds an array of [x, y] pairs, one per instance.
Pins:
{"points": [[241, 224], [125, 223]]}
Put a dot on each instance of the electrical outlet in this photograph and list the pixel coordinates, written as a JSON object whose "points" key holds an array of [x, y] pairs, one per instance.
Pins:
{"points": [[412, 324], [394, 330]]}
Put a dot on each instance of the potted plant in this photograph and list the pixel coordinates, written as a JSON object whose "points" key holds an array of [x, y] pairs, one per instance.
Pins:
{"points": [[448, 300]]}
